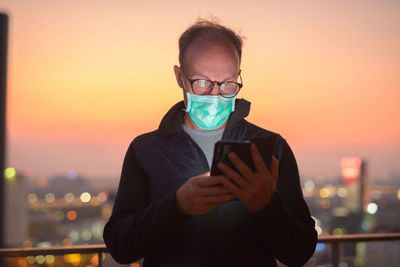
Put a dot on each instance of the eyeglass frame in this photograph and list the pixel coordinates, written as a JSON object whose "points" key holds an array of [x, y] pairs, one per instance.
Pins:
{"points": [[191, 81]]}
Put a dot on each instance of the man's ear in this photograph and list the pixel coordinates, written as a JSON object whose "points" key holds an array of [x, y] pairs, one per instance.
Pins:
{"points": [[178, 76]]}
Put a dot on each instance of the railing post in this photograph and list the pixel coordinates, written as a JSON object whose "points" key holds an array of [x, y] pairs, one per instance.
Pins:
{"points": [[335, 254], [100, 256]]}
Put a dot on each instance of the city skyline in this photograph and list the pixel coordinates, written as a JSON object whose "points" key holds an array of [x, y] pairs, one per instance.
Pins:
{"points": [[85, 79]]}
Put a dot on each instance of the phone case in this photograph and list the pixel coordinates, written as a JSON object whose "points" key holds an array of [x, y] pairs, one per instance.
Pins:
{"points": [[265, 145], [222, 149]]}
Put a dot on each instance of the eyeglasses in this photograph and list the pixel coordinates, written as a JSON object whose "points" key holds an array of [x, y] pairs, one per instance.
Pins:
{"points": [[227, 89]]}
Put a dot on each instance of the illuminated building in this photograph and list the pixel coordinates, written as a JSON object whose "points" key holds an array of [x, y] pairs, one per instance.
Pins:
{"points": [[355, 180], [16, 216]]}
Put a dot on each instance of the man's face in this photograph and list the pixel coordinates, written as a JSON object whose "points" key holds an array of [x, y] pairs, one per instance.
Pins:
{"points": [[211, 61]]}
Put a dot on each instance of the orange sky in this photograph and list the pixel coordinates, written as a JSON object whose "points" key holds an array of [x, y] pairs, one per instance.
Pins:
{"points": [[85, 77]]}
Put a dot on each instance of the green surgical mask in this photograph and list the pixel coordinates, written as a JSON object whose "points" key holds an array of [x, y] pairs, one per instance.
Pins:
{"points": [[209, 112]]}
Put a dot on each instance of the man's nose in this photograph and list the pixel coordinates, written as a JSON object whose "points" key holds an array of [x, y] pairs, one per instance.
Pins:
{"points": [[215, 89]]}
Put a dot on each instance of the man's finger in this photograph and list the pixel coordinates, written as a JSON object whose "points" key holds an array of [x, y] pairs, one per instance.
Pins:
{"points": [[206, 181], [274, 169], [212, 200], [239, 180], [257, 159], [231, 186], [214, 190], [240, 165]]}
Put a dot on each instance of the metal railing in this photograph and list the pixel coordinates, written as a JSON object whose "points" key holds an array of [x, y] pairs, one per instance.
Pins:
{"points": [[334, 240], [83, 249]]}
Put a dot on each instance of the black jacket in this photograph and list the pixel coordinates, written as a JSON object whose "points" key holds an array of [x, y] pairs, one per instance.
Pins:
{"points": [[145, 221]]}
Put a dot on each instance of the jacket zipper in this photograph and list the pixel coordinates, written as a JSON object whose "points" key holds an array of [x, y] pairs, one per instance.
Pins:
{"points": [[212, 215]]}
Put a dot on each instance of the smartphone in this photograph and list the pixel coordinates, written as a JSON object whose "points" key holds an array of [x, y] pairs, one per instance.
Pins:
{"points": [[221, 151], [265, 145]]}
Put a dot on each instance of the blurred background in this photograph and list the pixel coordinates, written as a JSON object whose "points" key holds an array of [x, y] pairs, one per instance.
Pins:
{"points": [[86, 77]]}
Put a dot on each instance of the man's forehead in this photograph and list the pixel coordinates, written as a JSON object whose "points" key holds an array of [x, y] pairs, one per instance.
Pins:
{"points": [[202, 45], [200, 49]]}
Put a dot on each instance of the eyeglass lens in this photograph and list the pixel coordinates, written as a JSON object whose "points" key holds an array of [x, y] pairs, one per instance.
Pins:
{"points": [[205, 87]]}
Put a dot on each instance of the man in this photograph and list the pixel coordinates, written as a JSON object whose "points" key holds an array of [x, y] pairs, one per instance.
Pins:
{"points": [[169, 209]]}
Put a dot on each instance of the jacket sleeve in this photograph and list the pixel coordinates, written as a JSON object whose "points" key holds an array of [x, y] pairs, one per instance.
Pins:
{"points": [[136, 227], [286, 223]]}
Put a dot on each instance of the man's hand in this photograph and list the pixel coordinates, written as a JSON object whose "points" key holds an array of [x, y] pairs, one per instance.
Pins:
{"points": [[254, 189], [200, 194]]}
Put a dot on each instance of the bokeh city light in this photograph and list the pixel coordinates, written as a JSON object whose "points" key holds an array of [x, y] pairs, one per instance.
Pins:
{"points": [[10, 173]]}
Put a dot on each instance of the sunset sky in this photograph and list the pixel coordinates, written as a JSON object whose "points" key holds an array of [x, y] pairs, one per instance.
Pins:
{"points": [[86, 77]]}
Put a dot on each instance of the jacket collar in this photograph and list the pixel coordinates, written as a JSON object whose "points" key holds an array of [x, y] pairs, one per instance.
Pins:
{"points": [[172, 121]]}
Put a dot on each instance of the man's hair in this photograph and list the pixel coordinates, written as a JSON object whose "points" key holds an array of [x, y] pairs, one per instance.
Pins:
{"points": [[210, 31]]}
